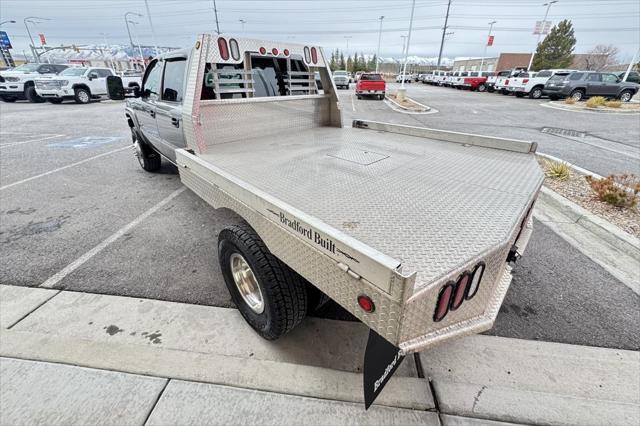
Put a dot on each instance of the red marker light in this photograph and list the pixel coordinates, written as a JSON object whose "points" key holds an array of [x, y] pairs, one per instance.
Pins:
{"points": [[224, 50], [366, 303], [460, 291], [314, 55], [263, 51], [286, 52], [274, 51], [444, 300]]}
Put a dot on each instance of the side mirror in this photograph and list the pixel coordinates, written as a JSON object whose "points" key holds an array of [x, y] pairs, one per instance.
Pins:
{"points": [[92, 76], [114, 87]]}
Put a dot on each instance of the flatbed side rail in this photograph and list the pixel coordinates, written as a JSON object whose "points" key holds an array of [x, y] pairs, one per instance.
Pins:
{"points": [[450, 136]]}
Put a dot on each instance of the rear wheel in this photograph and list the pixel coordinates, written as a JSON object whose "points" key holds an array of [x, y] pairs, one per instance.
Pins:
{"points": [[81, 95], [148, 159], [626, 95], [32, 96], [482, 88], [536, 93], [577, 95], [491, 89], [55, 101], [271, 297], [504, 92]]}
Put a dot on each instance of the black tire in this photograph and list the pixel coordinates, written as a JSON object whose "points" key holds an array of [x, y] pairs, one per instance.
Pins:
{"points": [[519, 95], [381, 97], [625, 95], [491, 89], [81, 95], [359, 97], [284, 293], [55, 101], [8, 99], [32, 96], [553, 97], [577, 95], [147, 157], [482, 88], [536, 93]]}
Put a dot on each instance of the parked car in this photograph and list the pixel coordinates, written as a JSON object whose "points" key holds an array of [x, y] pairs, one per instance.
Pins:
{"points": [[532, 84], [476, 81], [516, 85], [80, 84], [19, 83], [358, 74], [503, 80], [406, 77], [491, 80], [341, 79], [456, 82], [371, 84], [584, 84]]}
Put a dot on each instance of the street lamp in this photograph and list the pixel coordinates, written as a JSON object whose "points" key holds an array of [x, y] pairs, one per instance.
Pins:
{"points": [[402, 90], [30, 19], [485, 46], [139, 47], [8, 22], [379, 39], [126, 22], [242, 21], [347, 51], [544, 20], [153, 33]]}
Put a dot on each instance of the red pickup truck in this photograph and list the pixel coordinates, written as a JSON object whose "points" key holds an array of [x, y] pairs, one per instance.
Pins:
{"points": [[371, 84], [476, 81]]}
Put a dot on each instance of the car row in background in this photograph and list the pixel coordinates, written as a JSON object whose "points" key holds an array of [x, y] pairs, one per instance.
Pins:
{"points": [[554, 83], [58, 82]]}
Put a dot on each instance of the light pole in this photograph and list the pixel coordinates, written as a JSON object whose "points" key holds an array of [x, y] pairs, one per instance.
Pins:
{"points": [[215, 13], [444, 33], [486, 44], [346, 63], [544, 20], [8, 22], [126, 22], [30, 19], [404, 40], [242, 21], [139, 47], [153, 33], [379, 39], [402, 90]]}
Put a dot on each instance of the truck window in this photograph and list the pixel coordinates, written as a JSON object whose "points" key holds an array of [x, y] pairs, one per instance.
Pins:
{"points": [[594, 77], [372, 77], [103, 72], [576, 76], [172, 82], [609, 78], [151, 84]]}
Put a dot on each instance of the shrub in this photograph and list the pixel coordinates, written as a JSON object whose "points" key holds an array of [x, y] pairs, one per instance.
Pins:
{"points": [[617, 190], [560, 171], [613, 104], [596, 101], [569, 101]]}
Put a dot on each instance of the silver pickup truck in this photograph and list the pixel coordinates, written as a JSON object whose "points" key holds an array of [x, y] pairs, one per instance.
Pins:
{"points": [[410, 229]]}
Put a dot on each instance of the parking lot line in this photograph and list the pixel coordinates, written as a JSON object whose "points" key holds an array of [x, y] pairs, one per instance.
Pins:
{"points": [[6, 145], [55, 279], [63, 168]]}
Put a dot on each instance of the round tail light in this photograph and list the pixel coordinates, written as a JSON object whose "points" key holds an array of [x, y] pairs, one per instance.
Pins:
{"points": [[475, 280], [274, 51], [444, 300], [263, 51], [460, 290], [286, 52], [366, 303]]}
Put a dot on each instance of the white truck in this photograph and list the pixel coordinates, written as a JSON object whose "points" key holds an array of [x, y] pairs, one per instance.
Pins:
{"points": [[531, 83], [493, 79], [412, 230], [503, 79], [80, 84], [19, 83]]}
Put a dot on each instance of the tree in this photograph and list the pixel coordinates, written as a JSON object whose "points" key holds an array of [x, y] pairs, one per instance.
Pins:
{"points": [[599, 58], [556, 50], [341, 64], [372, 63], [349, 64], [334, 60]]}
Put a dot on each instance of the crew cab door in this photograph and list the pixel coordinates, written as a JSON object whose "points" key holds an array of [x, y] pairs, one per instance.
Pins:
{"points": [[610, 85], [594, 84], [145, 107], [99, 85], [169, 106]]}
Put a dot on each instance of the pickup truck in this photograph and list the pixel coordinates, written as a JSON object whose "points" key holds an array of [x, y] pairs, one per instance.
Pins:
{"points": [[476, 81], [341, 79], [502, 81], [532, 84], [80, 84], [457, 80], [19, 83], [406, 77], [371, 84], [410, 229], [492, 79]]}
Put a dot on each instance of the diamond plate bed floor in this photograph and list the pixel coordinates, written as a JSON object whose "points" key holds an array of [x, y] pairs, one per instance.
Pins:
{"points": [[431, 205]]}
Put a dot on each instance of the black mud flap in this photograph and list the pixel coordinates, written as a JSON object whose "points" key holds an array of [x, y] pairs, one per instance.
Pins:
{"points": [[381, 360]]}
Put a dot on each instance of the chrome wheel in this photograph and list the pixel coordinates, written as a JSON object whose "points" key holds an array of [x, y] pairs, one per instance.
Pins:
{"points": [[83, 96], [577, 95], [139, 154], [246, 283], [625, 96]]}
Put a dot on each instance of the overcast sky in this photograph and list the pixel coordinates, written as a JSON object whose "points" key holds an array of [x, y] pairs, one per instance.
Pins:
{"points": [[329, 22]]}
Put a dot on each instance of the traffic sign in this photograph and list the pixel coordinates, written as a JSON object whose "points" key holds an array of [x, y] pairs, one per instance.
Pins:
{"points": [[5, 43], [490, 41]]}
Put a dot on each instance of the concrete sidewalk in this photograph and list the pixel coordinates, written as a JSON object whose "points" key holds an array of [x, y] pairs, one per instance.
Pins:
{"points": [[74, 358]]}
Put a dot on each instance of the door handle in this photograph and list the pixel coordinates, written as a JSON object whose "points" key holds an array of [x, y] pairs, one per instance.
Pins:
{"points": [[152, 113], [175, 122]]}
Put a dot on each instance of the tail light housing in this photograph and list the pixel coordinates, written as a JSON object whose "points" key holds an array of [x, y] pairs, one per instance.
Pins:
{"points": [[460, 291], [274, 51], [235, 49], [223, 48], [525, 81], [444, 300], [453, 294], [263, 51], [366, 303], [506, 82], [314, 55], [286, 52], [474, 285]]}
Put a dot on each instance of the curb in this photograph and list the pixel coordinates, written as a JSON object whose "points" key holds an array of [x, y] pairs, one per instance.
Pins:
{"points": [[596, 225], [397, 105], [549, 104], [573, 166]]}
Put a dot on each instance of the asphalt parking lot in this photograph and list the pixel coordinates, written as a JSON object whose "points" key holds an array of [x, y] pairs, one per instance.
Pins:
{"points": [[72, 194]]}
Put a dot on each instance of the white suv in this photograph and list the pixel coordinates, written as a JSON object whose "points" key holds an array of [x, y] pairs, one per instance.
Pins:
{"points": [[80, 84], [18, 83]]}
